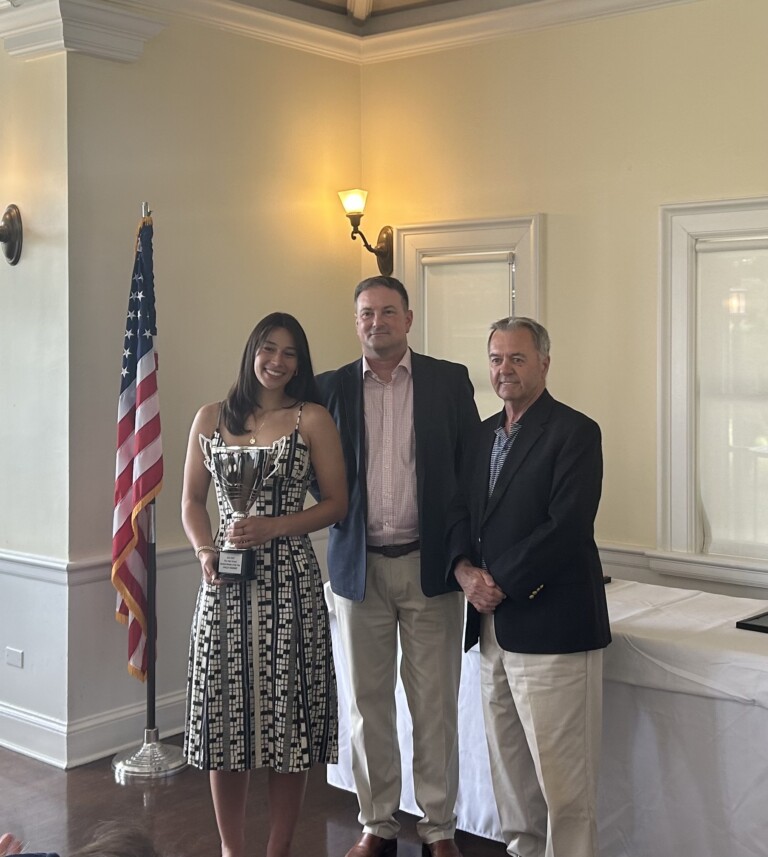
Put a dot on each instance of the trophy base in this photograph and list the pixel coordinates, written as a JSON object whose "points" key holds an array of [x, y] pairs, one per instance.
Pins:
{"points": [[236, 565]]}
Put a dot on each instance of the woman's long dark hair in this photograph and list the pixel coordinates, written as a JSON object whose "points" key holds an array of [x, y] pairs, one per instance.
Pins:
{"points": [[242, 398]]}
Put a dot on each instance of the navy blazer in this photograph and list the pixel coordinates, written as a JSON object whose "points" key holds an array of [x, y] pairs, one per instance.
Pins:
{"points": [[536, 532], [445, 418]]}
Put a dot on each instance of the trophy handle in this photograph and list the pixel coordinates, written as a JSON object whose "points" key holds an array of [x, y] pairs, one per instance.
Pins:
{"points": [[205, 445], [277, 450]]}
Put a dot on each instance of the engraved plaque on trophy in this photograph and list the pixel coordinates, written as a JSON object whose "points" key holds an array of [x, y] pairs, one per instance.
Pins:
{"points": [[240, 472]]}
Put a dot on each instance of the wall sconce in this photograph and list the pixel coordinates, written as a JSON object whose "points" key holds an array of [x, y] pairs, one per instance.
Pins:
{"points": [[354, 206], [11, 234]]}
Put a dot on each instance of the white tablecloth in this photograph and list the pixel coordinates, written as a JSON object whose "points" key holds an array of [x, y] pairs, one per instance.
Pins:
{"points": [[685, 736]]}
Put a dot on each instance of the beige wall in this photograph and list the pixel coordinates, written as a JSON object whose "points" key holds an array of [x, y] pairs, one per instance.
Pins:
{"points": [[239, 146], [34, 298], [596, 125]]}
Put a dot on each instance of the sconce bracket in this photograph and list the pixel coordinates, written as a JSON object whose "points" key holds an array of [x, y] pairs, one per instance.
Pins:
{"points": [[385, 253], [384, 249], [11, 234]]}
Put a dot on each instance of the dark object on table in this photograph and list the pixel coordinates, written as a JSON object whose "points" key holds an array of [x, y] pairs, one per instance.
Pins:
{"points": [[607, 578], [755, 623]]}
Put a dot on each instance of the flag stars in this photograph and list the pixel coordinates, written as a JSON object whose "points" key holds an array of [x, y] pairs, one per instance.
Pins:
{"points": [[137, 347]]}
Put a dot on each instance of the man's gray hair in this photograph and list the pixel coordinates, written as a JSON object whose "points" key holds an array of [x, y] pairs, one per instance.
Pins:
{"points": [[538, 331]]}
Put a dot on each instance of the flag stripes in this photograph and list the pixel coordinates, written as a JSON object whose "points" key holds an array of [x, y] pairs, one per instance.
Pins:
{"points": [[139, 456]]}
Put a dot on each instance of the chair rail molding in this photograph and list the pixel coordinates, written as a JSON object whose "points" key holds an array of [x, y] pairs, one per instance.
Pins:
{"points": [[743, 578]]}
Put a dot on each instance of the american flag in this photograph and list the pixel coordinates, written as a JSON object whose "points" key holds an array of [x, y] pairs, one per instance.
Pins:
{"points": [[139, 462]]}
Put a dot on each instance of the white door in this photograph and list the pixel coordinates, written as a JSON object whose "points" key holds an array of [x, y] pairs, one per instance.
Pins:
{"points": [[463, 276]]}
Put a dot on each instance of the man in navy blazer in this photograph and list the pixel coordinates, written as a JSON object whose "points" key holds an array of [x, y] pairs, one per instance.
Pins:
{"points": [[521, 545], [405, 422]]}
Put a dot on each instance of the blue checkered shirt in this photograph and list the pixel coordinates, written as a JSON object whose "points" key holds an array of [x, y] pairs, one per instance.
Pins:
{"points": [[501, 446]]}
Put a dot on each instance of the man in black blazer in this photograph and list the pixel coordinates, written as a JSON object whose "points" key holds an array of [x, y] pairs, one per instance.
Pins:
{"points": [[405, 421], [521, 545]]}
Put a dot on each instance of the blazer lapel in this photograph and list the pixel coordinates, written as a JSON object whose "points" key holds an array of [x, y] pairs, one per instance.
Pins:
{"points": [[481, 474], [422, 402], [531, 431], [353, 419]]}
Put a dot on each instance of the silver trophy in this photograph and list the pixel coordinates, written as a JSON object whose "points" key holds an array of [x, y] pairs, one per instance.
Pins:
{"points": [[240, 472]]}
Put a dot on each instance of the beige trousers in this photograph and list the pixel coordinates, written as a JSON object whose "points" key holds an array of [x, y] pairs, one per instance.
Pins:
{"points": [[543, 721], [430, 631]]}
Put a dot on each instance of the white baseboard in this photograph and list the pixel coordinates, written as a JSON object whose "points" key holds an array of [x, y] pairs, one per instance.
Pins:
{"points": [[34, 735], [67, 745]]}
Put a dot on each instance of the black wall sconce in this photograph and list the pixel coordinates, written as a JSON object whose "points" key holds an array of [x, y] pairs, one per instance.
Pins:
{"points": [[354, 206], [11, 234]]}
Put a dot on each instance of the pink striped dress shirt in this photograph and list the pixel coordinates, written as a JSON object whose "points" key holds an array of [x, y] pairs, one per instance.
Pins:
{"points": [[390, 452]]}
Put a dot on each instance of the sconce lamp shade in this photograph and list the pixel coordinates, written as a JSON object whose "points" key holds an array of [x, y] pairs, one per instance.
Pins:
{"points": [[353, 200], [11, 234], [354, 206]]}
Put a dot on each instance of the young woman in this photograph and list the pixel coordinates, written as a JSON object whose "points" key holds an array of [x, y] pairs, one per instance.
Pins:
{"points": [[261, 687]]}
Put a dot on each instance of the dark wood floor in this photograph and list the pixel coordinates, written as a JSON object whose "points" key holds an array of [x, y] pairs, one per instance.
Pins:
{"points": [[55, 810]]}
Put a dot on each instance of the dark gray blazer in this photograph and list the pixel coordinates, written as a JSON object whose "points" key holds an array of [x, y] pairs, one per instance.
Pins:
{"points": [[536, 532], [445, 417]]}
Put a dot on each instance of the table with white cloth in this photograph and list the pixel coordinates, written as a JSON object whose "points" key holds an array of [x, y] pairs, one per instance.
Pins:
{"points": [[684, 768]]}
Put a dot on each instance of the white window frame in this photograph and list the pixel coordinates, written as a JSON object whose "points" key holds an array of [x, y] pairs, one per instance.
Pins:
{"points": [[679, 533]]}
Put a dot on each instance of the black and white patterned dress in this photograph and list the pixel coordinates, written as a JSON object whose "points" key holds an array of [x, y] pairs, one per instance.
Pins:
{"points": [[261, 686]]}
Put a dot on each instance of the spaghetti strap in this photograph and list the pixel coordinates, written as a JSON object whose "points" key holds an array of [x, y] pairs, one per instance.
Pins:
{"points": [[218, 422], [298, 416]]}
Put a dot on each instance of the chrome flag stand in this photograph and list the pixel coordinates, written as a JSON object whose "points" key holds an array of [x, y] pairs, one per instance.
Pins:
{"points": [[153, 759]]}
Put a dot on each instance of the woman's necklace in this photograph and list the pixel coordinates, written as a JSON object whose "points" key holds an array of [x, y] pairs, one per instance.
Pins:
{"points": [[260, 426]]}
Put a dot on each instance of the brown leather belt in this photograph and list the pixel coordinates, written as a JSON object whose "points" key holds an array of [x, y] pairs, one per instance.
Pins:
{"points": [[394, 551]]}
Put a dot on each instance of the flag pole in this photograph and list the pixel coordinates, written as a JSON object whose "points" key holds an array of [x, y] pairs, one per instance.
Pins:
{"points": [[151, 616], [152, 759]]}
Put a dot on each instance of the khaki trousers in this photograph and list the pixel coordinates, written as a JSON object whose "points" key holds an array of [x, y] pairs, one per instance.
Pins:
{"points": [[430, 631], [543, 721]]}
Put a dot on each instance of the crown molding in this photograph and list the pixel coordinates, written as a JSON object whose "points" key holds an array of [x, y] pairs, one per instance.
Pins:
{"points": [[37, 28], [247, 20], [490, 26], [119, 30]]}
